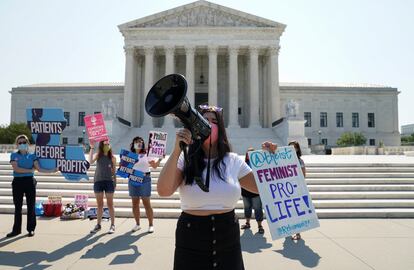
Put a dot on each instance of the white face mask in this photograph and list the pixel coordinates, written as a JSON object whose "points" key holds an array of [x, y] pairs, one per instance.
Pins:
{"points": [[137, 146]]}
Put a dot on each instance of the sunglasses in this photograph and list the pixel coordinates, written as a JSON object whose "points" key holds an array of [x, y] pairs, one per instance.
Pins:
{"points": [[22, 143], [210, 108]]}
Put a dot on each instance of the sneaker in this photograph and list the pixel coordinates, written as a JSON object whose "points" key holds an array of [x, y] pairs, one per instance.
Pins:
{"points": [[96, 229], [112, 229], [31, 234], [151, 229], [261, 230], [136, 228]]}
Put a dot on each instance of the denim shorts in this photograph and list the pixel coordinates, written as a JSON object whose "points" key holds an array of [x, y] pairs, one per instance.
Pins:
{"points": [[101, 186], [143, 190]]}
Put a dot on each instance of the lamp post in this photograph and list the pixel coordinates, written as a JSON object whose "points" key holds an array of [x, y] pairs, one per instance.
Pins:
{"points": [[320, 133], [83, 140]]}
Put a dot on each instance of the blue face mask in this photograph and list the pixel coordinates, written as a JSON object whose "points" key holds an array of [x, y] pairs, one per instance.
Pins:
{"points": [[23, 147]]}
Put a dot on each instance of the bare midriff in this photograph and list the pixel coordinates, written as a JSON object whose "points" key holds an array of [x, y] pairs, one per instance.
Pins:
{"points": [[206, 212]]}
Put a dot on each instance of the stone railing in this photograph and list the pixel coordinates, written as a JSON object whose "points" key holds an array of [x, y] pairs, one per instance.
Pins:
{"points": [[373, 150]]}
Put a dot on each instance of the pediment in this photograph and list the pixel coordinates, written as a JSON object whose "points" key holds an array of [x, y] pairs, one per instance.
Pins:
{"points": [[200, 14]]}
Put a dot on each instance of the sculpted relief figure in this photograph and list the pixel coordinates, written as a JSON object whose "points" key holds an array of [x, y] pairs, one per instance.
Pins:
{"points": [[109, 109], [292, 109]]}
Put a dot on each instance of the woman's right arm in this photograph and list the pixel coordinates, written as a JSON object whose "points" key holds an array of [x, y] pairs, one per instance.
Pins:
{"points": [[17, 169], [171, 177]]}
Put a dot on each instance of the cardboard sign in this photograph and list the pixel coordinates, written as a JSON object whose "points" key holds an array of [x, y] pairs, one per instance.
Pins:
{"points": [[46, 126], [283, 191], [52, 199], [157, 144], [95, 127], [126, 168]]}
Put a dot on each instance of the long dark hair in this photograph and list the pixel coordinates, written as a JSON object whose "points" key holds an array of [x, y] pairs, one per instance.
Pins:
{"points": [[101, 152], [133, 150], [196, 153], [297, 146]]}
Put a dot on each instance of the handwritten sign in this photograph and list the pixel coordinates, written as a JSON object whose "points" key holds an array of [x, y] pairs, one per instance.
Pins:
{"points": [[81, 200], [157, 144], [46, 126], [95, 127], [126, 170], [283, 191]]}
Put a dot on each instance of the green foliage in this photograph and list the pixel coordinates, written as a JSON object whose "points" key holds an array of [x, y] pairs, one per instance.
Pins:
{"points": [[351, 139], [407, 139], [8, 133]]}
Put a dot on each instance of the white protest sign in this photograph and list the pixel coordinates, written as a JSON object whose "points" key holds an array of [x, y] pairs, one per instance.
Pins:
{"points": [[157, 144], [283, 191]]}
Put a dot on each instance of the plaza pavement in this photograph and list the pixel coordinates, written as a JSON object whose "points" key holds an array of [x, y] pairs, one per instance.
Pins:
{"points": [[338, 244]]}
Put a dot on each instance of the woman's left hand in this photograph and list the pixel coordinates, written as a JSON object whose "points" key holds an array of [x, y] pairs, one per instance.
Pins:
{"points": [[269, 146]]}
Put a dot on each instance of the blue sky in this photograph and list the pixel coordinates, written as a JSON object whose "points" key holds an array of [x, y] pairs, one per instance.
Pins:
{"points": [[325, 41]]}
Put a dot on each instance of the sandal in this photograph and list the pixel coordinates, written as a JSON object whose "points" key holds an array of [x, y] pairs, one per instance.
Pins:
{"points": [[245, 226], [261, 230], [296, 237]]}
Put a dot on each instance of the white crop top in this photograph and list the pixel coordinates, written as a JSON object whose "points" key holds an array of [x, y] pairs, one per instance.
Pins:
{"points": [[223, 195], [142, 164]]}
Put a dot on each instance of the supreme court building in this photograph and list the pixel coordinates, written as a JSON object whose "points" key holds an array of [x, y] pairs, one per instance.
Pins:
{"points": [[230, 59]]}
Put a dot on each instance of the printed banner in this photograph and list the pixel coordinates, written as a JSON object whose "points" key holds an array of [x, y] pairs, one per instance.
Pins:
{"points": [[95, 127], [157, 144], [125, 170], [46, 126], [283, 191]]}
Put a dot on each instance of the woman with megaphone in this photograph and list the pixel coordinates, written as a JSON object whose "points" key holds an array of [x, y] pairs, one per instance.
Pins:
{"points": [[207, 233]]}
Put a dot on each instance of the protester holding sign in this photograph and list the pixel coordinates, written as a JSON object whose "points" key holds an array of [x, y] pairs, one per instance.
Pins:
{"points": [[302, 166], [208, 233], [252, 201], [143, 191], [104, 181], [24, 163]]}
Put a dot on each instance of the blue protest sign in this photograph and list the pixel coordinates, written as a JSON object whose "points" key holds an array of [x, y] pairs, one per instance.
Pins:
{"points": [[283, 191], [46, 126], [126, 168]]}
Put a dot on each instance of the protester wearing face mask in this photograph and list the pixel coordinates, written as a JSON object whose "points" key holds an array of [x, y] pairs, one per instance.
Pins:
{"points": [[104, 182], [208, 232], [143, 192], [24, 163], [302, 166]]}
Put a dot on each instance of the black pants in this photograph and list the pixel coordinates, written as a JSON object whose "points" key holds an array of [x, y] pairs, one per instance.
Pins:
{"points": [[208, 242], [22, 186]]}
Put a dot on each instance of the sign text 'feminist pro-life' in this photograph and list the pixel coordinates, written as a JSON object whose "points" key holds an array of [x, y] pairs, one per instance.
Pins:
{"points": [[283, 191]]}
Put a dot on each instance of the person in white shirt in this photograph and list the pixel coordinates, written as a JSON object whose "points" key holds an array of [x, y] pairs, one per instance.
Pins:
{"points": [[207, 233], [142, 191]]}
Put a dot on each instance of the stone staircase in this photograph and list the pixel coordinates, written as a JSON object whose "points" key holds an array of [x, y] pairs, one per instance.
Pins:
{"points": [[338, 190]]}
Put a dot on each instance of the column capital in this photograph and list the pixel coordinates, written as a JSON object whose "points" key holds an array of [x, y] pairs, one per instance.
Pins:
{"points": [[233, 49], [190, 49], [212, 49], [274, 50], [129, 50], [254, 50], [149, 50], [169, 49]]}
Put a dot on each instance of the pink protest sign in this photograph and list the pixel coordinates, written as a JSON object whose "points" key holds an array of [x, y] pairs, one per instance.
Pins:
{"points": [[95, 126]]}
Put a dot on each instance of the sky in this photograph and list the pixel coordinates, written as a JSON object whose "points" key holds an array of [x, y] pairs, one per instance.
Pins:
{"points": [[352, 41]]}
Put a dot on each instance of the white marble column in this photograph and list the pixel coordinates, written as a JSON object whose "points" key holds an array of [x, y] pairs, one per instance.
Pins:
{"points": [[212, 75], [189, 73], [254, 87], [130, 83], [169, 69], [149, 79], [274, 95], [138, 96], [233, 88]]}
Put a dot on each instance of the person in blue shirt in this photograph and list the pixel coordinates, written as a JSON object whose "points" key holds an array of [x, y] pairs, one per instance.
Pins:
{"points": [[24, 163]]}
